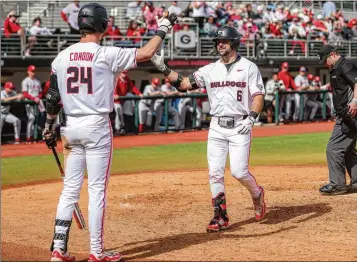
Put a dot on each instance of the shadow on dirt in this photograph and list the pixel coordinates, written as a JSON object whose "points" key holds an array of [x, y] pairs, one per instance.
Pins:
{"points": [[275, 215]]}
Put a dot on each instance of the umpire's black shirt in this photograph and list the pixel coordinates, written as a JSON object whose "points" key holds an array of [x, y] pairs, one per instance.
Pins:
{"points": [[343, 77]]}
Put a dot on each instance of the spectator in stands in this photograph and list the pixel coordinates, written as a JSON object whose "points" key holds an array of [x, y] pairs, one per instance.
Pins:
{"points": [[13, 30], [280, 15], [174, 9], [272, 86], [32, 91], [335, 37], [134, 10], [328, 9], [266, 32], [38, 29], [320, 24], [159, 105], [113, 31], [297, 31], [123, 87], [150, 14], [198, 12], [289, 84], [135, 31], [210, 27], [9, 95], [269, 15], [70, 16]]}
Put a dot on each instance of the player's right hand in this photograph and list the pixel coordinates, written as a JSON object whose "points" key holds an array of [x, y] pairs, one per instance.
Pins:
{"points": [[50, 138], [158, 61], [166, 22], [37, 100]]}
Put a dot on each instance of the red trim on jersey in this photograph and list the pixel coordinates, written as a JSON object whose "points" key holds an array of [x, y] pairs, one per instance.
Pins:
{"points": [[135, 65], [199, 85], [106, 183], [40, 95], [258, 93], [27, 95], [64, 16]]}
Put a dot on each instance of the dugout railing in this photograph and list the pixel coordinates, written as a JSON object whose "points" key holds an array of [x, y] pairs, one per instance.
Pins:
{"points": [[323, 99], [166, 120]]}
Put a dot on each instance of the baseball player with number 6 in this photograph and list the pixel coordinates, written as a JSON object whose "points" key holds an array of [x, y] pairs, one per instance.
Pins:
{"points": [[236, 94], [83, 78]]}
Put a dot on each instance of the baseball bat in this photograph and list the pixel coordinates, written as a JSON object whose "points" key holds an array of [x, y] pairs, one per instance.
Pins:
{"points": [[78, 216]]}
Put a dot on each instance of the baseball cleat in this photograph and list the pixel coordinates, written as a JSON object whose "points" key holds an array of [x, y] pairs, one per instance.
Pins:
{"points": [[218, 224], [330, 189], [59, 255], [105, 256], [259, 205]]}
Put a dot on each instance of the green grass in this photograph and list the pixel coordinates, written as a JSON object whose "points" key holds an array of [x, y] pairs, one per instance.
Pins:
{"points": [[283, 150]]}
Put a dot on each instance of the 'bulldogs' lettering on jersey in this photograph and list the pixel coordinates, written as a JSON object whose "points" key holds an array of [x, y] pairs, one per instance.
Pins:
{"points": [[230, 93], [86, 76]]}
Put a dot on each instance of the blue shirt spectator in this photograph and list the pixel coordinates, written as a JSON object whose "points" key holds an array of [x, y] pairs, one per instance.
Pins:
{"points": [[328, 9]]}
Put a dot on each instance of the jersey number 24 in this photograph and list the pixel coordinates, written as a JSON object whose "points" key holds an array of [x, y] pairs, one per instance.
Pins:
{"points": [[79, 75]]}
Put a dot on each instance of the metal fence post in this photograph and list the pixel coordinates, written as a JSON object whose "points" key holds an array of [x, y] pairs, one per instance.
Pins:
{"points": [[194, 118], [166, 114], [136, 116], [277, 107], [324, 105], [37, 113], [302, 108]]}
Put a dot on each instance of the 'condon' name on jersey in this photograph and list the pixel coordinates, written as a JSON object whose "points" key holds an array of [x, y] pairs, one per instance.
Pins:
{"points": [[230, 93], [86, 76]]}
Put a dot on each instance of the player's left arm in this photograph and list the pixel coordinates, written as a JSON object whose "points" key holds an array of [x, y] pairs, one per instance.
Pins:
{"points": [[53, 107], [349, 73]]}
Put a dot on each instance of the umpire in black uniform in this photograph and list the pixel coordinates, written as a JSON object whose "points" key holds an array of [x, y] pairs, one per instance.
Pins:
{"points": [[341, 149]]}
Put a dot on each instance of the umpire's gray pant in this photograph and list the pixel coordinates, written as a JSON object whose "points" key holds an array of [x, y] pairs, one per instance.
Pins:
{"points": [[11, 119], [341, 155]]}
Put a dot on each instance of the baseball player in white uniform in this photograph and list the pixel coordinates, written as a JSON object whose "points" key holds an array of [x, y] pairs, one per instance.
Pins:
{"points": [[186, 105], [159, 105], [83, 78], [32, 90], [146, 106], [8, 95], [70, 16], [302, 84], [236, 94]]}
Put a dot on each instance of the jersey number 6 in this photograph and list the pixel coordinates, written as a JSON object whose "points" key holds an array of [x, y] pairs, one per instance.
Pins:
{"points": [[76, 75], [239, 95]]}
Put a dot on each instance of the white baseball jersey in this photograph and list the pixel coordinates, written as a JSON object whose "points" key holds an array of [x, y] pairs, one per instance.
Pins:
{"points": [[71, 10], [301, 81], [86, 76], [270, 88], [31, 86], [166, 88], [4, 94], [230, 93], [147, 90]]}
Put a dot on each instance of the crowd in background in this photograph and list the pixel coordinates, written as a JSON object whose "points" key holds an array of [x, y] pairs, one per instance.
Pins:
{"points": [[253, 21]]}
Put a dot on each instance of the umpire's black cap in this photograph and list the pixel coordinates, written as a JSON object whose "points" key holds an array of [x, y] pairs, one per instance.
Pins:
{"points": [[324, 52]]}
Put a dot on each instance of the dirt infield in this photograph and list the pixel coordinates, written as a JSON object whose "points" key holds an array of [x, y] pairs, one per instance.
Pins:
{"points": [[174, 138], [162, 217]]}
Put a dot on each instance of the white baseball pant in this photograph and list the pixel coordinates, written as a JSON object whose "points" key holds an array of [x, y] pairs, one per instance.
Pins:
{"points": [[11, 119], [183, 108], [221, 141], [30, 110], [119, 117], [88, 143], [159, 111], [145, 115]]}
